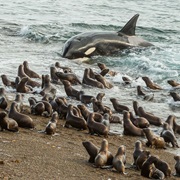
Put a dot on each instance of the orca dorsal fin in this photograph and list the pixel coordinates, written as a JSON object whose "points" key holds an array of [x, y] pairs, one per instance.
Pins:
{"points": [[130, 27]]}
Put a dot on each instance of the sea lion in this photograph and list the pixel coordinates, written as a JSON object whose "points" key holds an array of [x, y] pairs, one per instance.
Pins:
{"points": [[91, 149], [151, 118], [143, 156], [62, 108], [104, 157], [96, 127], [175, 96], [102, 66], [173, 83], [169, 136], [150, 84], [3, 99], [54, 77], [154, 141], [65, 69], [118, 107], [129, 128], [139, 91], [19, 101], [86, 99], [71, 77], [119, 160], [112, 118], [103, 80], [22, 119], [51, 126], [90, 81], [7, 82], [126, 80], [73, 120], [8, 123], [177, 165], [137, 151], [155, 173], [22, 86], [171, 120], [135, 107], [100, 96], [104, 72]]}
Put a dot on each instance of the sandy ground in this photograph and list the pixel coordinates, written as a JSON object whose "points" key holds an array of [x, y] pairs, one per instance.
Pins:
{"points": [[33, 155]]}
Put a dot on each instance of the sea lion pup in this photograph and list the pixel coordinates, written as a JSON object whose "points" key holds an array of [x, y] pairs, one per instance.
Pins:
{"points": [[19, 101], [74, 121], [8, 123], [103, 80], [65, 69], [22, 119], [86, 99], [51, 126], [22, 85], [118, 107], [91, 149], [137, 150], [3, 99], [151, 118], [36, 108], [140, 92], [177, 165], [96, 127], [119, 160], [100, 96], [90, 81], [150, 84], [175, 96], [104, 156], [29, 72], [143, 156], [154, 141], [102, 66], [135, 107], [173, 83], [7, 82], [168, 135], [112, 118], [54, 77], [129, 127], [155, 173], [139, 121], [71, 77]]}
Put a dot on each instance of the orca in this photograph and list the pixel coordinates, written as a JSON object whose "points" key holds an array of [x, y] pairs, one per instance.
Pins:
{"points": [[103, 43]]}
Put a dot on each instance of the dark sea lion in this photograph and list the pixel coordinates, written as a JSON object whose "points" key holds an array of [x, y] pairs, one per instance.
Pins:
{"points": [[155, 173], [173, 83], [129, 128], [22, 119], [176, 127], [100, 96], [112, 118], [29, 72], [65, 69], [126, 80], [102, 66], [96, 127], [143, 156], [104, 72], [8, 123], [71, 77], [3, 99], [139, 121], [169, 136], [62, 108], [154, 141], [73, 120], [137, 151], [175, 96], [118, 107], [54, 77], [171, 120], [86, 99], [177, 165], [91, 149], [22, 86], [151, 118], [90, 81], [135, 107], [104, 157], [7, 82], [19, 101], [103, 80], [150, 84], [139, 91], [119, 160], [51, 126]]}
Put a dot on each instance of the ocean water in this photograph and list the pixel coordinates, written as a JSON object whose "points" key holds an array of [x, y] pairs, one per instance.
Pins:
{"points": [[36, 31]]}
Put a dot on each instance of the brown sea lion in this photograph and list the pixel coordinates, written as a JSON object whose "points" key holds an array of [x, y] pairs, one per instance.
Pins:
{"points": [[139, 91], [155, 173], [103, 80], [150, 84], [22, 86], [175, 96], [74, 121], [143, 156], [100, 96], [104, 157], [135, 107], [54, 77], [51, 126], [129, 128], [119, 160], [168, 135], [154, 141], [86, 99], [112, 118], [104, 72], [177, 165], [126, 80], [96, 127], [22, 119], [137, 151], [62, 108], [90, 81], [19, 101], [173, 83], [151, 118], [65, 69], [171, 120], [102, 66], [8, 123], [118, 107], [91, 149], [3, 99], [71, 77], [7, 82], [29, 72]]}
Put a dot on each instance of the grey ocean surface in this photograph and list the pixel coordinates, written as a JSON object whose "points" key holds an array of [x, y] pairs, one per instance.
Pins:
{"points": [[36, 31]]}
